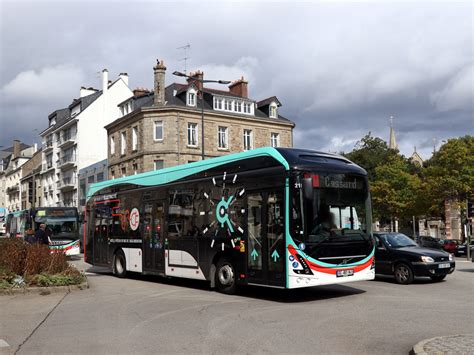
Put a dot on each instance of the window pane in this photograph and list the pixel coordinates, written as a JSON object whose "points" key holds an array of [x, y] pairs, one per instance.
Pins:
{"points": [[159, 130], [158, 164]]}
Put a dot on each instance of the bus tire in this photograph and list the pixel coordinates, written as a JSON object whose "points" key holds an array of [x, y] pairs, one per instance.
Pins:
{"points": [[225, 277], [119, 264]]}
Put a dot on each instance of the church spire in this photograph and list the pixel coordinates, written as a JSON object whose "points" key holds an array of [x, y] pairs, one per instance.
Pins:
{"points": [[392, 144]]}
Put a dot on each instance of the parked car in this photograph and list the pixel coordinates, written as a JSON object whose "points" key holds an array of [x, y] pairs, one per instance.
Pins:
{"points": [[428, 242], [462, 248], [398, 255], [450, 245]]}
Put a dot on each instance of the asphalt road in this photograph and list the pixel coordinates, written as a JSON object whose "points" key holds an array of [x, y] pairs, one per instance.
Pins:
{"points": [[154, 315]]}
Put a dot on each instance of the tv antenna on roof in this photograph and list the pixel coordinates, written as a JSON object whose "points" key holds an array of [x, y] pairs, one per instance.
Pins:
{"points": [[185, 58]]}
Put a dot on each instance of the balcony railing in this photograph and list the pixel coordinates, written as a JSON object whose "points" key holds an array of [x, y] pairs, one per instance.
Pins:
{"points": [[67, 138], [47, 166], [47, 145], [67, 182], [13, 189], [67, 160]]}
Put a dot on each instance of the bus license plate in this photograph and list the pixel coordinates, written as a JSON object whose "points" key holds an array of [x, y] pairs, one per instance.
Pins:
{"points": [[444, 266], [344, 273]]}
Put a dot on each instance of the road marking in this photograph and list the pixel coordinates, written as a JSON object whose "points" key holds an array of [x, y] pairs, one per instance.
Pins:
{"points": [[3, 344]]}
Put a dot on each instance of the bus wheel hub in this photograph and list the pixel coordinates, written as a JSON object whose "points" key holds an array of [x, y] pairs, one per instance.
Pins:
{"points": [[226, 275]]}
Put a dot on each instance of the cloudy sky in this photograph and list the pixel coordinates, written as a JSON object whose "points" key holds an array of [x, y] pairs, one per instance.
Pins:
{"points": [[340, 69]]}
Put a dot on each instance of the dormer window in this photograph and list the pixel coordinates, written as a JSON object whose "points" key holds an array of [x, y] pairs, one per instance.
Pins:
{"points": [[191, 97], [126, 108], [273, 113], [52, 122], [218, 103]]}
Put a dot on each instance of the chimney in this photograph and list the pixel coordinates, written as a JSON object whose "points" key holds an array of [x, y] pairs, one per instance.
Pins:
{"points": [[240, 87], [140, 92], [105, 80], [86, 91], [16, 148], [124, 77], [198, 75], [159, 89]]}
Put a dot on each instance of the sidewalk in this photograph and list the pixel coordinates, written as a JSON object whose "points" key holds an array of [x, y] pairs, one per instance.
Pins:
{"points": [[452, 344]]}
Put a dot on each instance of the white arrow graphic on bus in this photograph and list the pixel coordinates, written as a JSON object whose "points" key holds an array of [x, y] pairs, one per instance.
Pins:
{"points": [[254, 254], [275, 255]]}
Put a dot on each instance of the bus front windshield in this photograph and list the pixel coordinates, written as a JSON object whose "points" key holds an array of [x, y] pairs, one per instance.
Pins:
{"points": [[60, 224], [336, 209]]}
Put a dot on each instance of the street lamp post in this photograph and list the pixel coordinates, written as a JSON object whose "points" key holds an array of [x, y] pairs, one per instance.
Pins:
{"points": [[202, 81]]}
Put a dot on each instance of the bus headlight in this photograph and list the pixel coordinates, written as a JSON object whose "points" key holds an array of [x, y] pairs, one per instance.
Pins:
{"points": [[427, 259]]}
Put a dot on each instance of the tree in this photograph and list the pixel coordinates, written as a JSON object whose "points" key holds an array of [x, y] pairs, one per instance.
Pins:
{"points": [[371, 152], [395, 192], [449, 174], [394, 180]]}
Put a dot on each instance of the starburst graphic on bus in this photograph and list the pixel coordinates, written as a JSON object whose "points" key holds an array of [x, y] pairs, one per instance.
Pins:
{"points": [[225, 204]]}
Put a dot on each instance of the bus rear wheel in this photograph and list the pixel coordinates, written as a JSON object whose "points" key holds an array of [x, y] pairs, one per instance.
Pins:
{"points": [[119, 264], [226, 280]]}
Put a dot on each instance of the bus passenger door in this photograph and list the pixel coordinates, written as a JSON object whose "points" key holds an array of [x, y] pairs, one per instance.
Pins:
{"points": [[275, 238], [101, 226], [266, 239], [153, 243], [255, 241]]}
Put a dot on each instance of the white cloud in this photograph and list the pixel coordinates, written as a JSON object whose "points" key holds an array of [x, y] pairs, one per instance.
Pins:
{"points": [[44, 85], [244, 66]]}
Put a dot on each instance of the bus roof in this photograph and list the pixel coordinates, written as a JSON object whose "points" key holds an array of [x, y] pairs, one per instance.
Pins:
{"points": [[287, 157], [162, 176]]}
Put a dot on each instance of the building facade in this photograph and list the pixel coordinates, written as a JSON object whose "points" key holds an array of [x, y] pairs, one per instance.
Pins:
{"points": [[12, 174], [76, 138], [30, 183], [90, 175], [163, 127]]}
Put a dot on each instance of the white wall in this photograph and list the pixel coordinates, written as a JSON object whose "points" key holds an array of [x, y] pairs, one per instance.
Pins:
{"points": [[92, 136]]}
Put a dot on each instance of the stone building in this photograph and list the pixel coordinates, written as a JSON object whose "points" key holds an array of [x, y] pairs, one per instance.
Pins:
{"points": [[162, 128], [30, 183], [13, 173]]}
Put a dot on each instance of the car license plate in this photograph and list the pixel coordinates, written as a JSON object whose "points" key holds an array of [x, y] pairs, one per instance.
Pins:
{"points": [[344, 273], [444, 266]]}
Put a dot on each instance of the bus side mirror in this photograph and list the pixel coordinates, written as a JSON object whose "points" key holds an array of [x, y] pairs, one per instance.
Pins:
{"points": [[308, 188]]}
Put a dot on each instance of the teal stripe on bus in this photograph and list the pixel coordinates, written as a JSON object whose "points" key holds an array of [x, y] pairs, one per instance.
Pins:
{"points": [[167, 175]]}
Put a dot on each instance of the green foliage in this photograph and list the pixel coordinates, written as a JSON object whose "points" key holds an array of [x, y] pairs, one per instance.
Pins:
{"points": [[395, 189], [45, 280], [370, 153], [36, 264], [449, 174], [401, 189]]}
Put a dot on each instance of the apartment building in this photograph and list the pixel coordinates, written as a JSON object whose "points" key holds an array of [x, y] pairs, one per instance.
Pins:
{"points": [[30, 182], [11, 174], [163, 127], [76, 138]]}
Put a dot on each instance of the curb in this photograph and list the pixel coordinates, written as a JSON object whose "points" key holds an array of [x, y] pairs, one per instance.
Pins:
{"points": [[419, 348], [43, 291]]}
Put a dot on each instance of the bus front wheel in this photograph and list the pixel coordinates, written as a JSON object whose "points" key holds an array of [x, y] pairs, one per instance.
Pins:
{"points": [[226, 280], [119, 265]]}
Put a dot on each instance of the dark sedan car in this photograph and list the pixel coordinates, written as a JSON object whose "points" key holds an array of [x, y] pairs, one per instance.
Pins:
{"points": [[400, 256], [429, 242], [462, 249]]}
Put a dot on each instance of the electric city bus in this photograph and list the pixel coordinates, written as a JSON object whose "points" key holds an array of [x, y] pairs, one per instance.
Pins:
{"points": [[275, 217], [62, 224]]}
